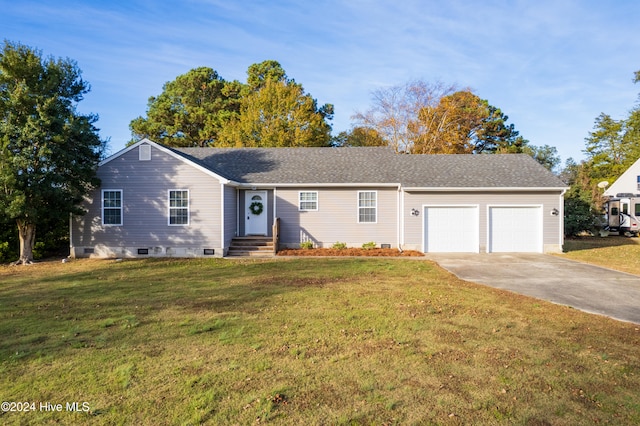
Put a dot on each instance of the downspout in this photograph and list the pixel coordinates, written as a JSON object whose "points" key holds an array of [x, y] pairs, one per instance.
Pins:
{"points": [[400, 221], [237, 212], [561, 215], [72, 253], [223, 217]]}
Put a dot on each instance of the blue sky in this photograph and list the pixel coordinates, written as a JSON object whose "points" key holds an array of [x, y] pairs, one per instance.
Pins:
{"points": [[551, 65]]}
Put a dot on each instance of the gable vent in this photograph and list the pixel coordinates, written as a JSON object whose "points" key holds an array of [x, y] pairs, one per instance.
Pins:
{"points": [[144, 152]]}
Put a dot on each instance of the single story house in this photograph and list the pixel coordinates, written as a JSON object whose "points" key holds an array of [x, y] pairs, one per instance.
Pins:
{"points": [[627, 183], [193, 202]]}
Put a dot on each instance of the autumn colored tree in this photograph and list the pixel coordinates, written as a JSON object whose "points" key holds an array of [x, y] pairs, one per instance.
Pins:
{"points": [[463, 123], [394, 112], [279, 114], [436, 118], [450, 126], [359, 136]]}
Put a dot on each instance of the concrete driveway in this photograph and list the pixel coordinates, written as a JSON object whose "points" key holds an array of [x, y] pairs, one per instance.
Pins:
{"points": [[588, 288]]}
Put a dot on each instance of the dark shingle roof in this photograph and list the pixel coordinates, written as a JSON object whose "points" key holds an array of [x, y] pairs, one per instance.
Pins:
{"points": [[371, 165]]}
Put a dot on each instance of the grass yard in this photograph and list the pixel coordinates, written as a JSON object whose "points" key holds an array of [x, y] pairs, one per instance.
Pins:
{"points": [[619, 253], [302, 341]]}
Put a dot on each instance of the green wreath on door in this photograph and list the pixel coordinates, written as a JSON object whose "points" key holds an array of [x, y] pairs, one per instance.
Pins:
{"points": [[256, 208]]}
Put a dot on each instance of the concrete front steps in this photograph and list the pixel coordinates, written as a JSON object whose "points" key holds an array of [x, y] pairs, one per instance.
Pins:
{"points": [[251, 247]]}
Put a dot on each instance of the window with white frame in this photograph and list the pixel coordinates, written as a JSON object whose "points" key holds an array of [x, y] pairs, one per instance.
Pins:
{"points": [[179, 207], [308, 200], [367, 206], [638, 181], [112, 207]]}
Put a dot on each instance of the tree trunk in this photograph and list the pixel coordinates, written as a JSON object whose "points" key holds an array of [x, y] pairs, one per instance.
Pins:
{"points": [[27, 234]]}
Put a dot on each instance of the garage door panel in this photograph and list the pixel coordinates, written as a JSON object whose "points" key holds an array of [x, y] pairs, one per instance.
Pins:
{"points": [[451, 229], [515, 229]]}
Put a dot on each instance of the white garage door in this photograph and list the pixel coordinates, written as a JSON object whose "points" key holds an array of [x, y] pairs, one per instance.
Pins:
{"points": [[449, 229], [515, 229]]}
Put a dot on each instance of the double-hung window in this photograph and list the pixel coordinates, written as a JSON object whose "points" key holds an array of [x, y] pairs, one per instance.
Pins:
{"points": [[308, 201], [179, 207], [367, 206], [112, 207]]}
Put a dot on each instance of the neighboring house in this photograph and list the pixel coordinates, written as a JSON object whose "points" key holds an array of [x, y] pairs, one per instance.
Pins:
{"points": [[160, 201], [627, 183]]}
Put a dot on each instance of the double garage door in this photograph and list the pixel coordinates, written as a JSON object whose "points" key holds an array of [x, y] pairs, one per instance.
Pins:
{"points": [[456, 229]]}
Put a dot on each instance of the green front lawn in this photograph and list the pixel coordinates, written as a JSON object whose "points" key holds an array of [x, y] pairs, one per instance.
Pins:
{"points": [[619, 253], [302, 341]]}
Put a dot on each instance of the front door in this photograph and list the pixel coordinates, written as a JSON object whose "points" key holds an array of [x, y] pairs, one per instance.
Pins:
{"points": [[255, 212]]}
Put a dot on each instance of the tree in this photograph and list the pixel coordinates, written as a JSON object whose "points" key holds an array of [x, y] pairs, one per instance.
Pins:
{"points": [[613, 145], [605, 147], [279, 114], [545, 155], [48, 151], [259, 74], [436, 118], [359, 136], [450, 127], [200, 108], [191, 110], [463, 123], [583, 201], [395, 110]]}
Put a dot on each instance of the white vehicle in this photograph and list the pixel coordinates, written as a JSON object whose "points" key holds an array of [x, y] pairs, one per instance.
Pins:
{"points": [[623, 214]]}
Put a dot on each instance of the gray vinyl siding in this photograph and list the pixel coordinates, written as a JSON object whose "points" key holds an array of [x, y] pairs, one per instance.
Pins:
{"points": [[413, 226], [145, 186], [337, 217], [230, 214]]}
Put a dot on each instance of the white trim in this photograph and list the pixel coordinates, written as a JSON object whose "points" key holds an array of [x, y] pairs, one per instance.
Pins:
{"points": [[358, 206], [176, 208], [223, 219], [317, 201], [71, 234], [275, 203], [238, 212], [489, 248], [121, 207], [561, 218], [465, 206], [398, 217], [316, 185], [484, 189], [168, 152]]}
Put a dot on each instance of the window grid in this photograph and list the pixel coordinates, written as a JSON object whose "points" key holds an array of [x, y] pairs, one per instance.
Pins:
{"points": [[367, 207], [112, 207], [179, 207], [308, 200]]}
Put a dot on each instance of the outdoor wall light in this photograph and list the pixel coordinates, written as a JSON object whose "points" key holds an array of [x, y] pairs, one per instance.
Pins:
{"points": [[554, 212], [415, 212]]}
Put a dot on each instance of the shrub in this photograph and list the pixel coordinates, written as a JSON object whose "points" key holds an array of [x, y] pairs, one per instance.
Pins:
{"points": [[338, 245], [306, 245], [579, 217], [6, 253], [370, 245], [39, 250]]}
